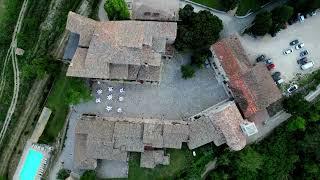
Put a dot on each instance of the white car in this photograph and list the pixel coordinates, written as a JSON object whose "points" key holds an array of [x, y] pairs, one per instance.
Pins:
{"points": [[287, 51], [299, 46], [292, 88]]}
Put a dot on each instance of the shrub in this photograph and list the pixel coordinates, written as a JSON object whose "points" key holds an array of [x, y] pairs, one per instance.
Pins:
{"points": [[187, 71], [117, 10]]}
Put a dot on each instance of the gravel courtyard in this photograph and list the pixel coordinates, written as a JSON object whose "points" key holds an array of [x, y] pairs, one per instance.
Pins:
{"points": [[175, 98], [306, 32]]}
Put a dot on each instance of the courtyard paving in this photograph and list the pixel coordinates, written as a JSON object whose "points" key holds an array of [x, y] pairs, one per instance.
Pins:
{"points": [[175, 98]]}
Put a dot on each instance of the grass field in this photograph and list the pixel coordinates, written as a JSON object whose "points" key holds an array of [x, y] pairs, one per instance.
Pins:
{"points": [[215, 4]]}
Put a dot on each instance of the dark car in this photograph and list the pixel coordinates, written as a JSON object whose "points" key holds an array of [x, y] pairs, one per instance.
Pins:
{"points": [[276, 76], [294, 42], [302, 61], [261, 58], [304, 53]]}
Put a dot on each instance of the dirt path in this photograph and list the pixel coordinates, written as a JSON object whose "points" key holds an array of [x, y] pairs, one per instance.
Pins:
{"points": [[16, 71], [31, 103]]}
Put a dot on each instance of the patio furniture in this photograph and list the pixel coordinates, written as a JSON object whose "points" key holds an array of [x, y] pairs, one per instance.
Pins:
{"points": [[109, 97], [99, 91], [121, 98], [110, 89], [122, 90], [119, 110], [98, 100], [109, 108]]}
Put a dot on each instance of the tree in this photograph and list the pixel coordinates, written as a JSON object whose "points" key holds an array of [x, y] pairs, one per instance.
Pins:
{"points": [[197, 30], [230, 4], [297, 123], [249, 163], [78, 91], [88, 175], [63, 174], [186, 14], [117, 10], [282, 14], [296, 104], [199, 57], [187, 71], [262, 24]]}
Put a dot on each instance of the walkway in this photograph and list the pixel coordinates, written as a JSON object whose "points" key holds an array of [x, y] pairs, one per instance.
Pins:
{"points": [[11, 54], [102, 13]]}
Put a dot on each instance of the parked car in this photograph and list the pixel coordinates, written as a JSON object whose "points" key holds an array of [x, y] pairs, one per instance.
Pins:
{"points": [[269, 61], [276, 76], [299, 46], [271, 66], [302, 61], [307, 65], [262, 57], [292, 88], [294, 42], [287, 51], [313, 13], [304, 53], [301, 17]]}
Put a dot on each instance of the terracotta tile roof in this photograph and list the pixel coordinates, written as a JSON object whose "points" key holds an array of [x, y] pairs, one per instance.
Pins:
{"points": [[106, 48], [252, 86], [219, 125]]}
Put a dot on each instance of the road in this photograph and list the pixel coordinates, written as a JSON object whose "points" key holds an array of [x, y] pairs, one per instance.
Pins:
{"points": [[16, 71], [233, 24]]}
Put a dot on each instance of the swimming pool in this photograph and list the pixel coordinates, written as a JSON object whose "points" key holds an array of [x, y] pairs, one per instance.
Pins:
{"points": [[31, 165]]}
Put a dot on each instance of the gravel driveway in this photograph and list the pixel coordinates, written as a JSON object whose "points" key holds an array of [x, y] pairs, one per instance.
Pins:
{"points": [[306, 32]]}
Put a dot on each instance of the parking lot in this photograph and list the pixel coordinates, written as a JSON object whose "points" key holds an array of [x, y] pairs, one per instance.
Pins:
{"points": [[306, 32], [175, 98]]}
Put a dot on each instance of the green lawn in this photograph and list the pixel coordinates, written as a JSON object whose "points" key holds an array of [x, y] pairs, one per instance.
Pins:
{"points": [[246, 5], [215, 4], [65, 91], [178, 162], [182, 164], [59, 108]]}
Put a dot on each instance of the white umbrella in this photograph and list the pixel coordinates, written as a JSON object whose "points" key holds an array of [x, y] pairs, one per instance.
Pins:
{"points": [[122, 90], [108, 108], [121, 98], [109, 97], [110, 89], [99, 91], [119, 110], [98, 100]]}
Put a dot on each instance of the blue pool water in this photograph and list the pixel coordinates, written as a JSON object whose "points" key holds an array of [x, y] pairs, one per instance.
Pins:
{"points": [[31, 165]]}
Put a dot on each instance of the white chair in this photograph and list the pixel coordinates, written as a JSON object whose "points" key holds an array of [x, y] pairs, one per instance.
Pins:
{"points": [[121, 98], [119, 110], [122, 90], [99, 82], [110, 89]]}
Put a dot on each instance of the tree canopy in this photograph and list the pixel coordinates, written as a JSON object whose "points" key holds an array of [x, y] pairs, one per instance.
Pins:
{"points": [[117, 10], [88, 175], [197, 30], [187, 71], [262, 23], [297, 123]]}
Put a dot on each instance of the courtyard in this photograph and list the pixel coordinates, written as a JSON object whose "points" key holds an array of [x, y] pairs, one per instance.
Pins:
{"points": [[273, 47], [175, 98]]}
